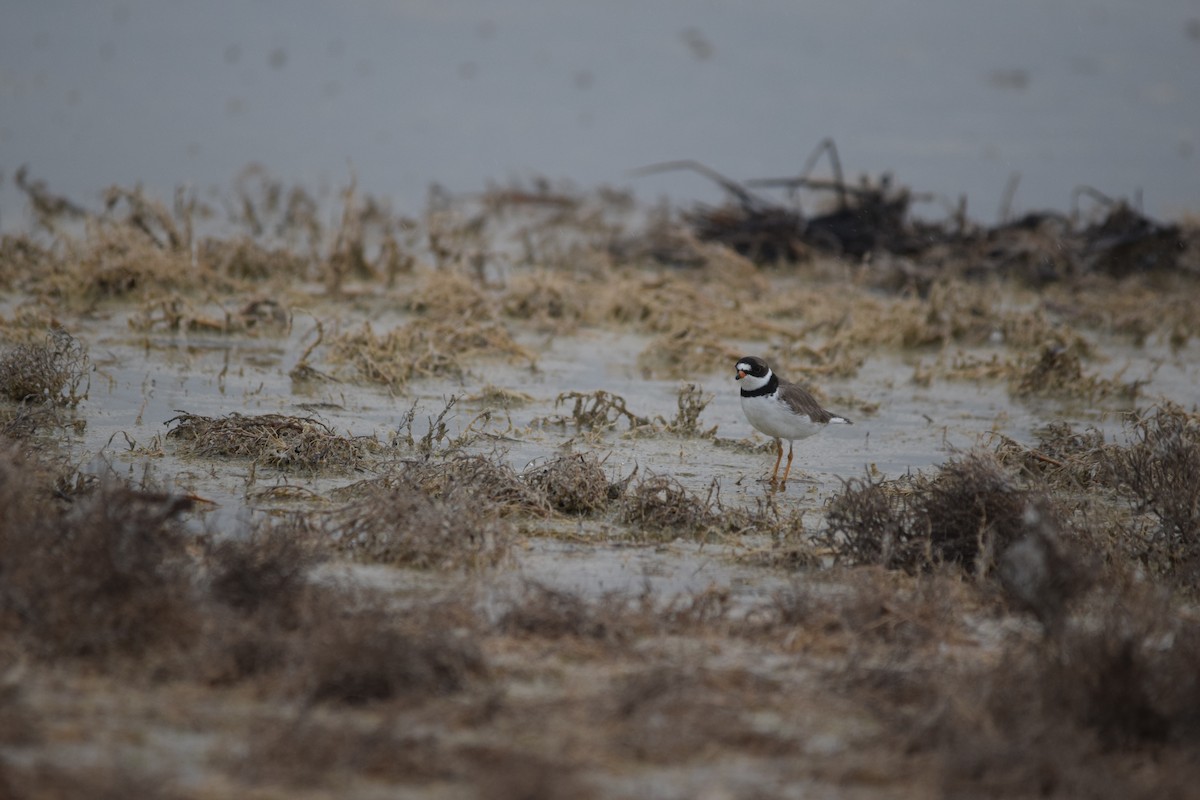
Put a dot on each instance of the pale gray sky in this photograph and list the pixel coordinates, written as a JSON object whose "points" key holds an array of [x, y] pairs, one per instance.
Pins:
{"points": [[952, 97]]}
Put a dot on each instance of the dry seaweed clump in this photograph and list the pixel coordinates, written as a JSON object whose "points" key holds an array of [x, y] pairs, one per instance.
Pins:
{"points": [[394, 521], [870, 222], [53, 371], [658, 506], [273, 440], [971, 510], [573, 484]]}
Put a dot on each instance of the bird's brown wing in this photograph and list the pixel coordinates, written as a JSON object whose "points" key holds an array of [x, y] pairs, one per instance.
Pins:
{"points": [[800, 401]]}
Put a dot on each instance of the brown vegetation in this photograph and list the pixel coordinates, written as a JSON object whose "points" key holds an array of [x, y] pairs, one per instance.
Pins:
{"points": [[1018, 621], [53, 371], [572, 484], [393, 520], [272, 440]]}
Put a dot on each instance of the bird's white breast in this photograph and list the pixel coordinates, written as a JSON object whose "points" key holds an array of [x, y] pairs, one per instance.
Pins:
{"points": [[774, 418]]}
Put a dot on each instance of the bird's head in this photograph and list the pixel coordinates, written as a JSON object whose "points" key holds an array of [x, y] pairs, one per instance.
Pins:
{"points": [[752, 366]]}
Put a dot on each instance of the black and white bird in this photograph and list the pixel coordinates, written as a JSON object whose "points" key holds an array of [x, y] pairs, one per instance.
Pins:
{"points": [[780, 409]]}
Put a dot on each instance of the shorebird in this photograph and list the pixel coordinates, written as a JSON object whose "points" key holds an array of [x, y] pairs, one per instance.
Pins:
{"points": [[780, 409]]}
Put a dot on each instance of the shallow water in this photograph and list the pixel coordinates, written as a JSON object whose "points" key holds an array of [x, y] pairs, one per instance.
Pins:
{"points": [[142, 381]]}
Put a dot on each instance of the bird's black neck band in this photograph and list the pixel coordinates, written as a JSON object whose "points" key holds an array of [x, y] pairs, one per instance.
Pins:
{"points": [[767, 388]]}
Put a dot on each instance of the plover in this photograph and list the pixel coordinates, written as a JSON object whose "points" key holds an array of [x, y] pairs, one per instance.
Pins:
{"points": [[780, 409]]}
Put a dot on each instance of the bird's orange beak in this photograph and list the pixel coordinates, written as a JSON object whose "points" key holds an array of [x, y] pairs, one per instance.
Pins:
{"points": [[740, 374]]}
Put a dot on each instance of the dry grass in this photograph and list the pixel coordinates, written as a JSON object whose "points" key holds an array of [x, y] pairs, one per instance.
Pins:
{"points": [[1141, 311], [54, 371], [313, 751], [486, 481], [450, 295], [1055, 372], [365, 653], [548, 613], [595, 411], [21, 258], [1143, 492], [106, 576], [431, 693], [394, 520], [1058, 371], [659, 506], [101, 781], [423, 348], [573, 484], [546, 301], [684, 351], [972, 515], [692, 401], [1039, 519], [287, 443], [499, 397], [791, 545], [138, 248], [334, 753], [242, 259], [1079, 714], [867, 608], [112, 580], [176, 313], [1064, 459], [267, 569], [1159, 472]]}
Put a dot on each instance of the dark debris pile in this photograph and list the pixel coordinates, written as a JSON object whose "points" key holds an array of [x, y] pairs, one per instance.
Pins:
{"points": [[871, 222]]}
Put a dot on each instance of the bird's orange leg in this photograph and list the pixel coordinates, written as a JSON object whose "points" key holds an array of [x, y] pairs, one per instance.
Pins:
{"points": [[778, 458], [788, 470]]}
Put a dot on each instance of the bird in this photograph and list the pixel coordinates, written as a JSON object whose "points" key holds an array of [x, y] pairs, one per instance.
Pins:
{"points": [[780, 409]]}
